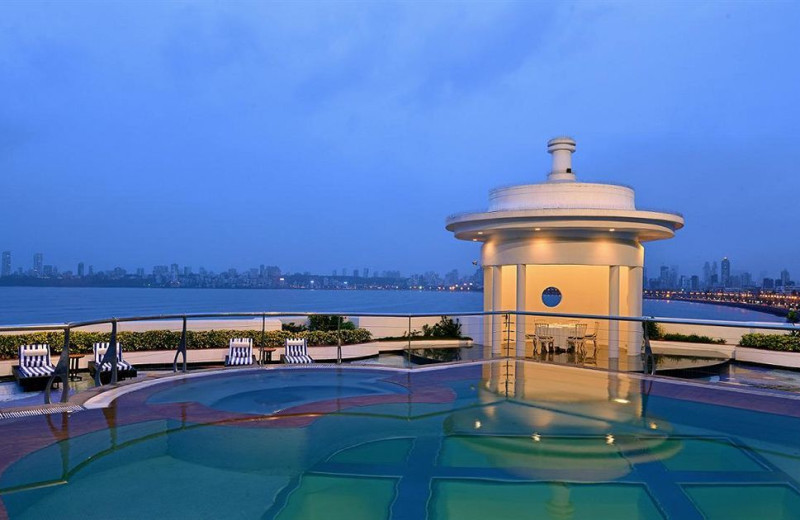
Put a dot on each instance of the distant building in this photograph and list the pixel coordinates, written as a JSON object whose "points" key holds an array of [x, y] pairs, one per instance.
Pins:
{"points": [[80, 270], [768, 283], [785, 280], [726, 272], [694, 284], [6, 265], [38, 259], [451, 278], [664, 278]]}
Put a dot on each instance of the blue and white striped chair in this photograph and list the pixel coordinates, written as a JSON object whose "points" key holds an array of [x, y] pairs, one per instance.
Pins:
{"points": [[35, 368], [34, 361], [100, 350], [124, 369], [240, 352], [296, 351]]}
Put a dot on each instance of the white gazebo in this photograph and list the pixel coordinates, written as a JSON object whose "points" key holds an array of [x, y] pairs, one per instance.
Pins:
{"points": [[564, 246]]}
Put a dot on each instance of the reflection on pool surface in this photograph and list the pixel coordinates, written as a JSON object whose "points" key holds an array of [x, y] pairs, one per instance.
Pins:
{"points": [[501, 439]]}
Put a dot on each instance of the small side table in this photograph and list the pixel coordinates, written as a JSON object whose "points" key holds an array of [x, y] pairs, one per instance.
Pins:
{"points": [[266, 355], [74, 365]]}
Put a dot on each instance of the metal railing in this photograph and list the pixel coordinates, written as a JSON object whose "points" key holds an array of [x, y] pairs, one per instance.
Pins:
{"points": [[499, 328]]}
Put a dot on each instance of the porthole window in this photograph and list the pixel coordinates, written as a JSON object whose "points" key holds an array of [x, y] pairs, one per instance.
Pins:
{"points": [[551, 296]]}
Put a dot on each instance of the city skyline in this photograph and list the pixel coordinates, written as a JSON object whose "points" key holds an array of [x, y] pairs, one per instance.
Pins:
{"points": [[262, 276], [344, 141], [714, 275]]}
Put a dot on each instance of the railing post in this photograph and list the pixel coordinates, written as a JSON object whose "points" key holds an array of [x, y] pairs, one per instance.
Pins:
{"points": [[181, 349], [61, 372], [339, 340], [263, 337], [648, 361], [109, 357], [408, 350], [114, 354]]}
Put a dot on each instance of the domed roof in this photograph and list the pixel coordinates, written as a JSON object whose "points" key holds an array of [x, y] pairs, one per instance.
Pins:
{"points": [[562, 203]]}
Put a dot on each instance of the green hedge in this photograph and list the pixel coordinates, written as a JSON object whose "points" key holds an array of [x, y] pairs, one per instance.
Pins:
{"points": [[169, 340], [655, 331], [692, 338], [782, 342]]}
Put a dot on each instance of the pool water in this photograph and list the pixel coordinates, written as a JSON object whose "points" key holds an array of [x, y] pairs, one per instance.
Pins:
{"points": [[761, 377], [500, 439]]}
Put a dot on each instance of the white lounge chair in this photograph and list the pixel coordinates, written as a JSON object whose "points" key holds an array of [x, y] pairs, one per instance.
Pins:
{"points": [[35, 367], [296, 352], [124, 369], [240, 352]]}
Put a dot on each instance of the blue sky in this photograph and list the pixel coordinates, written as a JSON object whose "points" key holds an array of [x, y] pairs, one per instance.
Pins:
{"points": [[317, 136]]}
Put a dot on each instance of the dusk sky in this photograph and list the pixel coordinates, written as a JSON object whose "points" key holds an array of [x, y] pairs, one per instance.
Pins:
{"points": [[317, 136]]}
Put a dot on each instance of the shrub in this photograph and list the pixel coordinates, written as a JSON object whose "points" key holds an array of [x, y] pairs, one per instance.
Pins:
{"points": [[446, 328], [326, 322], [779, 342], [692, 338], [293, 327], [169, 340], [653, 330]]}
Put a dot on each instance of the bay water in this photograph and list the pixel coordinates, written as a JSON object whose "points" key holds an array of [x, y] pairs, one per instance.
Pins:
{"points": [[27, 305]]}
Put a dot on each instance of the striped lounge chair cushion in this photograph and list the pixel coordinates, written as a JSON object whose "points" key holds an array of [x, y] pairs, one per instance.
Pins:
{"points": [[121, 365], [100, 350], [297, 352], [240, 352], [34, 361], [240, 356]]}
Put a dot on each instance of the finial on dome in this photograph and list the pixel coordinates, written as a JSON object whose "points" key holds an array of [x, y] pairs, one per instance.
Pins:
{"points": [[561, 148]]}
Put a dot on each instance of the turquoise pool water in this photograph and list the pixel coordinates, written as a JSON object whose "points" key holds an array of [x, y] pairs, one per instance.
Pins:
{"points": [[500, 439]]}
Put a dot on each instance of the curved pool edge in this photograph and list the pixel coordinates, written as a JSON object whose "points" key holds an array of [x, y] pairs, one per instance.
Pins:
{"points": [[102, 398], [697, 391]]}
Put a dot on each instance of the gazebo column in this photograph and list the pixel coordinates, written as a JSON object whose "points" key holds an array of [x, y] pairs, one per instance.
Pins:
{"points": [[497, 305], [521, 307], [613, 310], [634, 309]]}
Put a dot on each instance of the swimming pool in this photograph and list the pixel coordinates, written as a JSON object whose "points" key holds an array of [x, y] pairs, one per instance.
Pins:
{"points": [[499, 439]]}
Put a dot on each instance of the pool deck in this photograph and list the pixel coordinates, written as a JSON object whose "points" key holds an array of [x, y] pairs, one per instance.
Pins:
{"points": [[211, 356]]}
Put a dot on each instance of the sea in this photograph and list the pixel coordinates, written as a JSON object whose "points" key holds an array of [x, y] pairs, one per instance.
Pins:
{"points": [[36, 305]]}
